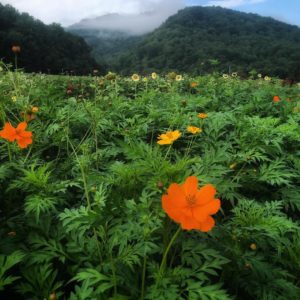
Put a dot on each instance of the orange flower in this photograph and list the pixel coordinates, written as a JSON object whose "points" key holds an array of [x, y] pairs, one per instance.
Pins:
{"points": [[23, 138], [190, 206], [194, 84], [276, 99], [202, 116], [169, 137], [194, 129], [34, 109], [16, 49]]}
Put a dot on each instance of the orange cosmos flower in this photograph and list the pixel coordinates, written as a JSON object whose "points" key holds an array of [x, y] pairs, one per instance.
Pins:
{"points": [[194, 84], [169, 137], [194, 129], [202, 116], [190, 206], [16, 49], [23, 138], [276, 99]]}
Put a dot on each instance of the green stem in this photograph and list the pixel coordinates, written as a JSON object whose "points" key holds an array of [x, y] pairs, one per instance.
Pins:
{"points": [[144, 277], [164, 259], [168, 152]]}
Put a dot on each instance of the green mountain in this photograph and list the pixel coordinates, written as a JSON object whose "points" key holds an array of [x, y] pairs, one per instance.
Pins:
{"points": [[204, 39], [45, 48]]}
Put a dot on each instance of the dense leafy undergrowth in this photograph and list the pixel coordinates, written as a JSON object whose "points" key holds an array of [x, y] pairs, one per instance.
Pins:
{"points": [[81, 214]]}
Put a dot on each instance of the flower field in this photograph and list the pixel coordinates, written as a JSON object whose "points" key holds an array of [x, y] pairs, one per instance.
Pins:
{"points": [[158, 187]]}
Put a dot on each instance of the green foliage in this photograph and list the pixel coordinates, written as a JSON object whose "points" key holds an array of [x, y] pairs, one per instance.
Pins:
{"points": [[81, 214]]}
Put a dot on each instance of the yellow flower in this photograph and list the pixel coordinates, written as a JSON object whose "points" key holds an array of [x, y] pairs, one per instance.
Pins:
{"points": [[259, 75], [267, 78], [225, 76], [232, 166], [178, 77], [145, 79], [135, 77], [202, 116], [194, 129], [34, 109], [169, 137], [14, 98], [234, 74], [253, 246], [154, 76]]}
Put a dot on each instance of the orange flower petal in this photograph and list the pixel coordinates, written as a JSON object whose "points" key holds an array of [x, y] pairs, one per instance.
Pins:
{"points": [[24, 142], [201, 213], [22, 126], [190, 186], [208, 224], [206, 194], [177, 194], [8, 132], [172, 211], [188, 223]]}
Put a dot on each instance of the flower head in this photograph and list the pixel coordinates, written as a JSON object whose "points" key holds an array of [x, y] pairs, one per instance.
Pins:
{"points": [[234, 74], [267, 78], [194, 129], [14, 98], [202, 116], [169, 137], [194, 84], [16, 49], [190, 206], [154, 76], [225, 76], [23, 138], [178, 77], [276, 99], [34, 109], [135, 77]]}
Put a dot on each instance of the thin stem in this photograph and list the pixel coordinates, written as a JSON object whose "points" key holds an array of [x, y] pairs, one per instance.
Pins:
{"points": [[144, 277], [164, 259], [168, 152]]}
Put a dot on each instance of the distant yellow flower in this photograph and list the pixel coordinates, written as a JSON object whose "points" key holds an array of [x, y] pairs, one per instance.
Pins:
{"points": [[14, 98], [135, 77], [253, 246], [194, 129], [232, 166], [267, 78], [34, 109], [154, 76], [169, 137], [178, 77], [225, 76], [145, 79], [202, 116], [259, 75], [234, 74]]}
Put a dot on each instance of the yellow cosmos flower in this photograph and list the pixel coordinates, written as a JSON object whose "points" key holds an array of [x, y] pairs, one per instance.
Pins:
{"points": [[194, 129], [267, 78], [225, 76], [178, 77], [34, 109], [259, 75], [14, 98], [202, 116], [234, 74], [168, 138], [135, 77], [154, 76], [145, 79]]}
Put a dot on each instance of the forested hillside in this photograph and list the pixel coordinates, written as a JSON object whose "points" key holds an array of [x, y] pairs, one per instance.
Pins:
{"points": [[45, 48]]}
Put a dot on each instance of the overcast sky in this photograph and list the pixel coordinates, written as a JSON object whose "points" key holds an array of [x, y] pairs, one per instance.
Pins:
{"points": [[68, 12]]}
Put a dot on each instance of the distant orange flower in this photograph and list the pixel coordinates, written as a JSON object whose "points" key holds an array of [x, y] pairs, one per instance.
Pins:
{"points": [[169, 137], [190, 206], [202, 116], [16, 49], [34, 109], [23, 138], [194, 84], [276, 99]]}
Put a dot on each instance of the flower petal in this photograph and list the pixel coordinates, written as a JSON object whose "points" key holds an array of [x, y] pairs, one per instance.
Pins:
{"points": [[22, 126], [208, 224], [190, 186], [172, 210], [8, 132], [188, 223], [24, 142], [206, 194], [201, 212], [176, 193]]}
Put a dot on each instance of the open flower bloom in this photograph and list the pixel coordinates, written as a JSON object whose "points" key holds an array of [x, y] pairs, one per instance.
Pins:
{"points": [[23, 138], [190, 206], [169, 137], [135, 77], [154, 75], [202, 116], [276, 99], [178, 78], [194, 129]]}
